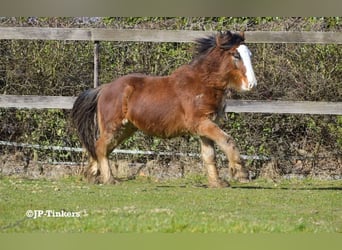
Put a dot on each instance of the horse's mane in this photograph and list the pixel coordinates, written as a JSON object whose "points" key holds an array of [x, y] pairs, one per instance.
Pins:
{"points": [[227, 39]]}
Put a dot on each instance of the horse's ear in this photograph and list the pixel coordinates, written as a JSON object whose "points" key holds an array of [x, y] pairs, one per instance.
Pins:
{"points": [[242, 34]]}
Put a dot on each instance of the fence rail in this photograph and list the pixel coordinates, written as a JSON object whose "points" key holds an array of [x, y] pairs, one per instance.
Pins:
{"points": [[97, 34], [238, 106]]}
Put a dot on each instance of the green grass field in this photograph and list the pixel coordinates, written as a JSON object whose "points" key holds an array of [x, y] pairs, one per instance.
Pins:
{"points": [[70, 205]]}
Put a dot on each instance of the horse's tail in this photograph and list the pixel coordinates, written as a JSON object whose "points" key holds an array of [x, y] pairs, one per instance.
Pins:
{"points": [[83, 116]]}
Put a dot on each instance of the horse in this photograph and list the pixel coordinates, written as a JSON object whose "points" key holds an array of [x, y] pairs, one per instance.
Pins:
{"points": [[188, 101]]}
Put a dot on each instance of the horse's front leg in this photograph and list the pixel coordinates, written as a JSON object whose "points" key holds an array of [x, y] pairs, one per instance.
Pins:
{"points": [[227, 144], [208, 157]]}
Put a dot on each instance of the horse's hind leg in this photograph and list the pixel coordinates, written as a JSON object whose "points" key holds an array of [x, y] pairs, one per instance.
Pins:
{"points": [[92, 172], [106, 176], [105, 145]]}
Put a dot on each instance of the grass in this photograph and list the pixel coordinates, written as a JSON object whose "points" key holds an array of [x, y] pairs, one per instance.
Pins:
{"points": [[175, 206]]}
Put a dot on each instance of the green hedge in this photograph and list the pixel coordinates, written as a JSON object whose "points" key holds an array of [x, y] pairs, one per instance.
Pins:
{"points": [[305, 72]]}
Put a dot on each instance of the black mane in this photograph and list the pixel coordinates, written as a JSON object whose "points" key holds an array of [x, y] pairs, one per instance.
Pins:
{"points": [[228, 39]]}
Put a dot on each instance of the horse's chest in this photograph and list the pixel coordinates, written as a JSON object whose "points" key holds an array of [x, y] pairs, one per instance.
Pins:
{"points": [[207, 104]]}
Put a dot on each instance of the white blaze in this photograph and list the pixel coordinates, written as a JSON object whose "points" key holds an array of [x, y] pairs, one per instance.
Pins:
{"points": [[246, 58]]}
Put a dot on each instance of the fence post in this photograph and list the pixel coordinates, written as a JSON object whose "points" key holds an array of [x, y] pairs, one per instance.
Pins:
{"points": [[96, 63]]}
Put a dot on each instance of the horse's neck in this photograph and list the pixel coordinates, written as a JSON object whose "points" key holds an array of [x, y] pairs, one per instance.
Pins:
{"points": [[188, 77], [199, 74], [209, 75]]}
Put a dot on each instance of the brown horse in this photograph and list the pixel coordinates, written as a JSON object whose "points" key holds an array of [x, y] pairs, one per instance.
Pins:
{"points": [[186, 102]]}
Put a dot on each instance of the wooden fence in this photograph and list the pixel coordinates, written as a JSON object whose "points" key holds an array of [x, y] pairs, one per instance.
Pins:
{"points": [[238, 106], [97, 35]]}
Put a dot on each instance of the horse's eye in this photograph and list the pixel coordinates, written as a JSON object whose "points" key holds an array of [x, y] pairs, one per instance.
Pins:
{"points": [[237, 56]]}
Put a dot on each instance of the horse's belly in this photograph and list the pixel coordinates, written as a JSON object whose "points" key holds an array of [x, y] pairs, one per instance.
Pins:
{"points": [[159, 119]]}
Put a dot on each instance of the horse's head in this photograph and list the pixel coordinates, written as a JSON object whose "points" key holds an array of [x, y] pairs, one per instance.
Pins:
{"points": [[236, 64], [232, 59]]}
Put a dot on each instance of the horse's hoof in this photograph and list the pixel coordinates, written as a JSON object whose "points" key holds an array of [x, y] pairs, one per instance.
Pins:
{"points": [[242, 177], [243, 180], [237, 173], [92, 179]]}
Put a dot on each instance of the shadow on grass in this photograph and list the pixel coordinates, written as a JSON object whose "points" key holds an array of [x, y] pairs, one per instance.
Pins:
{"points": [[332, 188], [288, 188]]}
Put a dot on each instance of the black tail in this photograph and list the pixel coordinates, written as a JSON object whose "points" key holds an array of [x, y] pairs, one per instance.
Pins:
{"points": [[83, 116]]}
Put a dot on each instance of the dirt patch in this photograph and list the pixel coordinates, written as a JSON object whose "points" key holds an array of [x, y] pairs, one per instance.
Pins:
{"points": [[18, 165]]}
